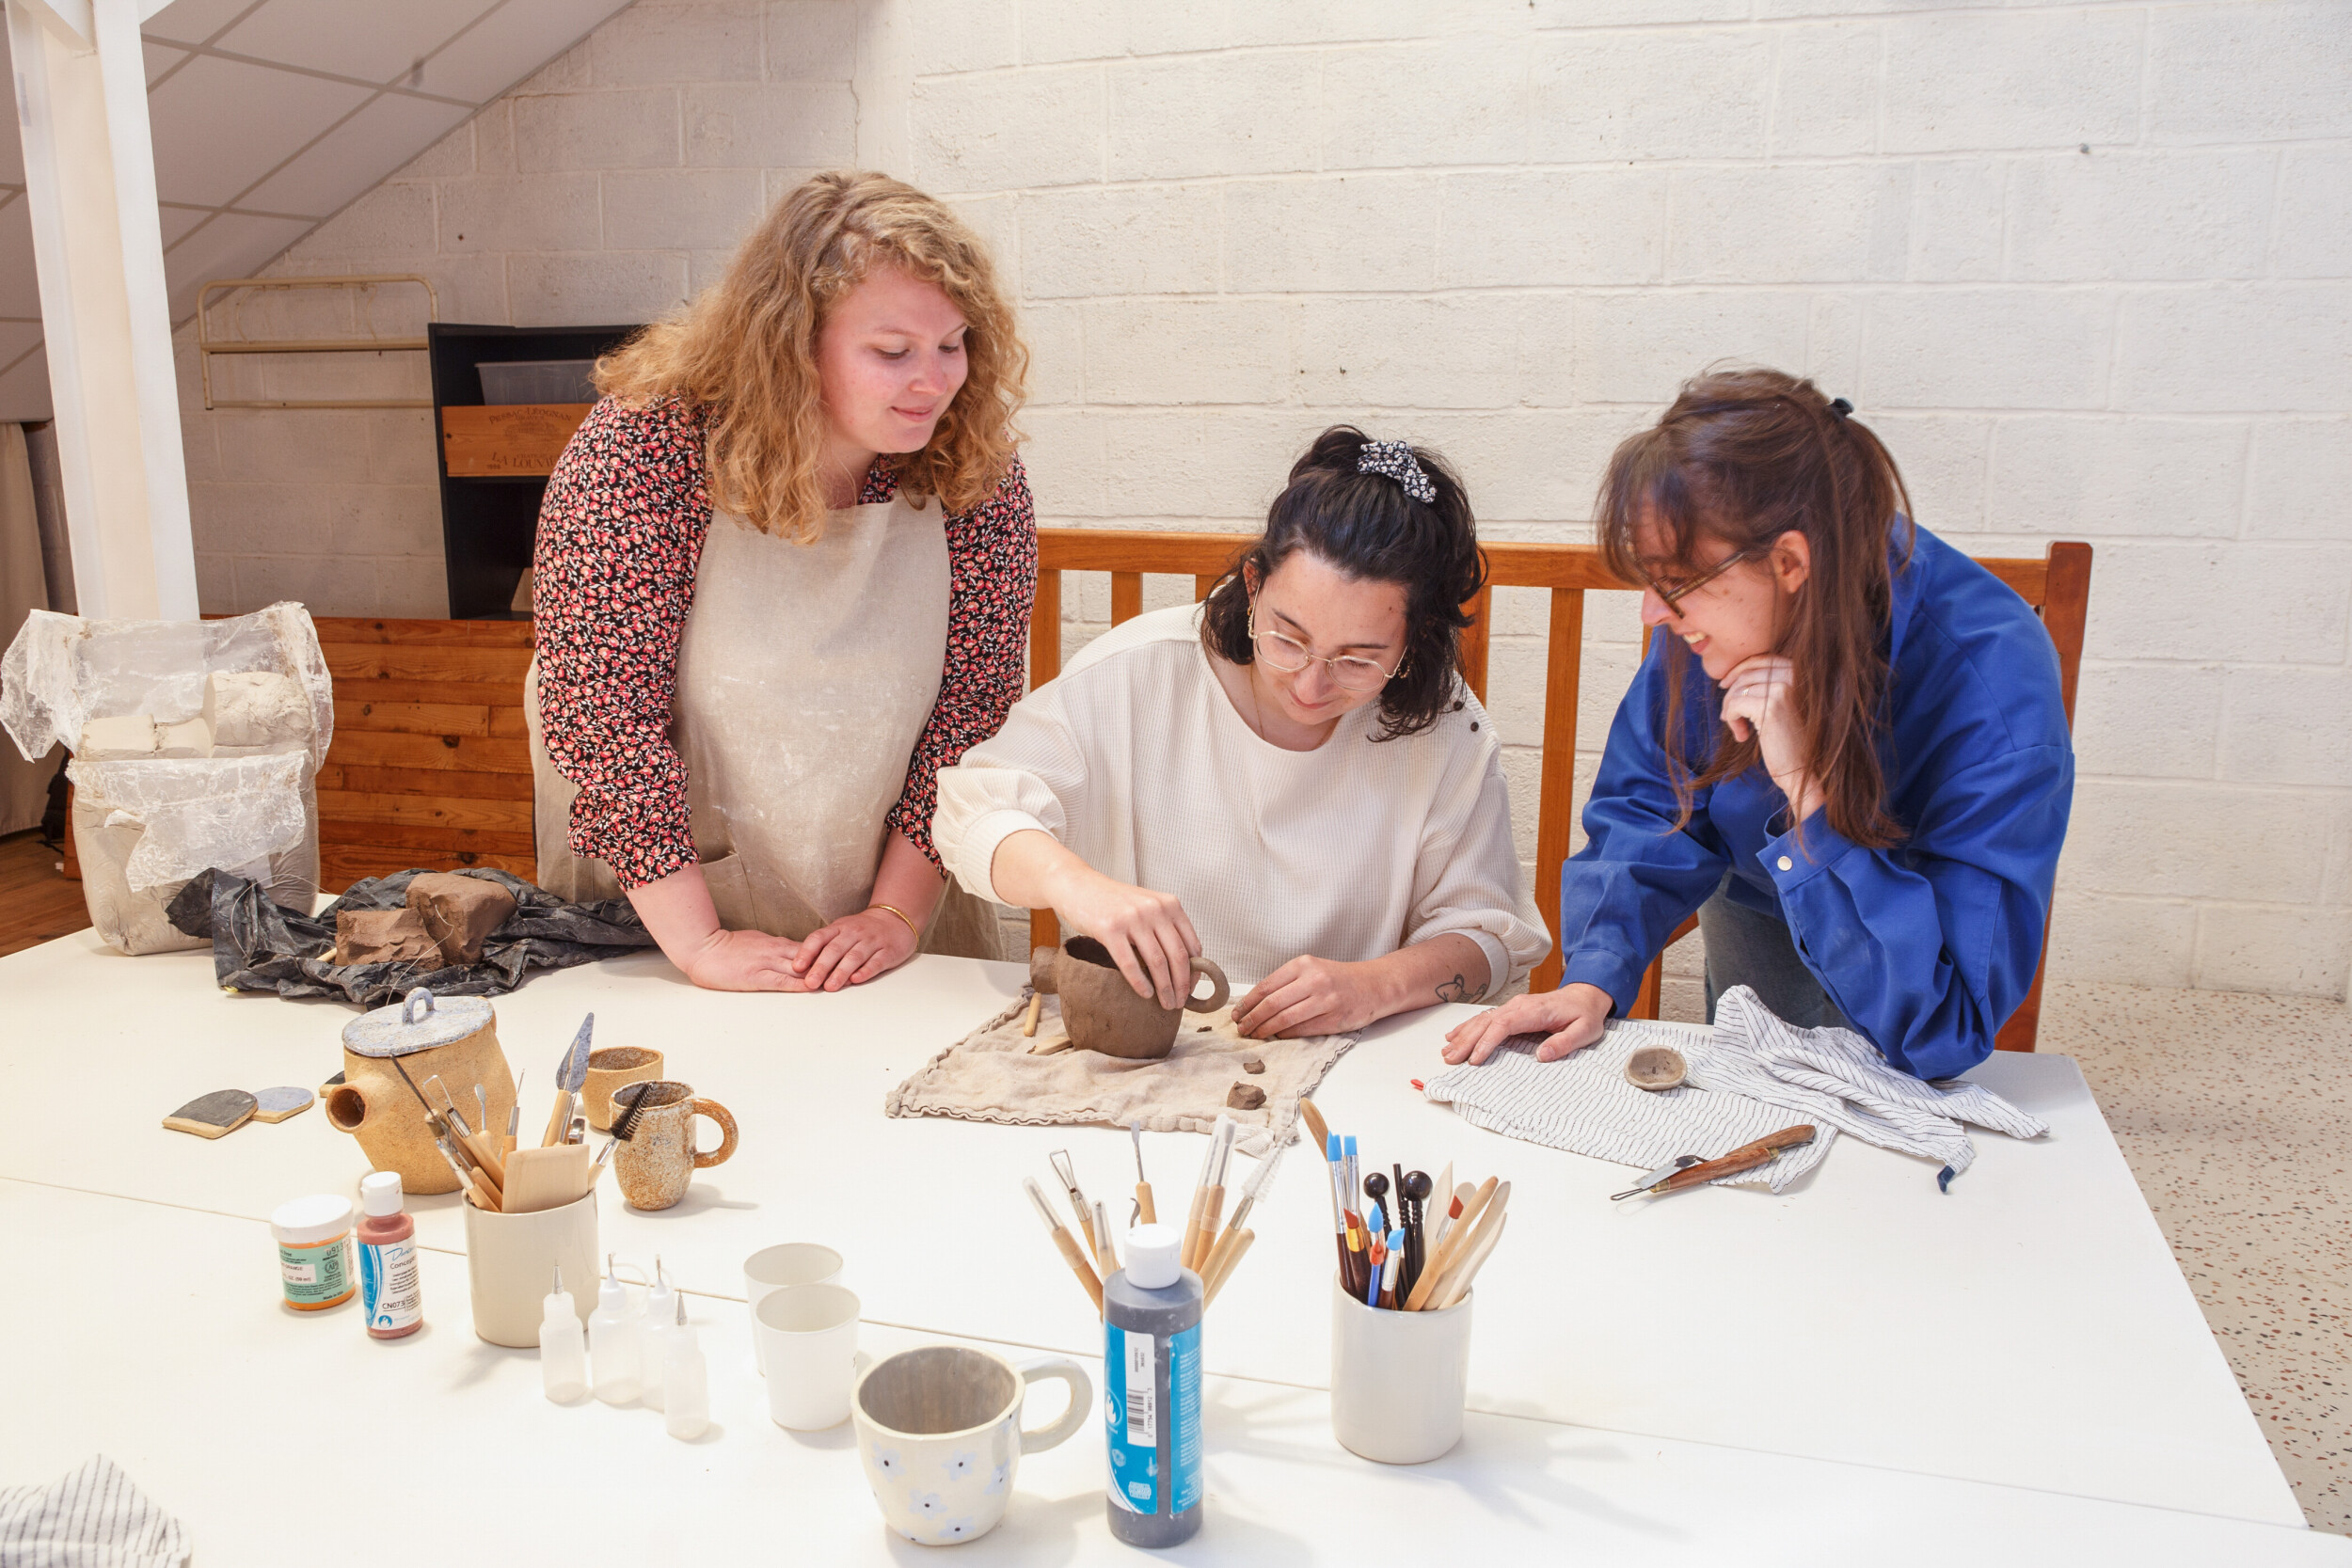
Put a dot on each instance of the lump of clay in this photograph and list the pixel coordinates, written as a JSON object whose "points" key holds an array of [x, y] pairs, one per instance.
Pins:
{"points": [[124, 736], [383, 936], [1245, 1097], [1251, 1063], [256, 710], [190, 737], [459, 912]]}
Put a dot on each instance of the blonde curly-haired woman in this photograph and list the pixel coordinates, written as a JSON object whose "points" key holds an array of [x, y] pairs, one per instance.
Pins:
{"points": [[783, 576]]}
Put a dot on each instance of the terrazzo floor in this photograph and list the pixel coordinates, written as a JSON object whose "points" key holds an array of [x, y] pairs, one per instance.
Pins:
{"points": [[2235, 1114]]}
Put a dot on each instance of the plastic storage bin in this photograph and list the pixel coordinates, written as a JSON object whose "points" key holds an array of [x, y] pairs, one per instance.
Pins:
{"points": [[538, 381]]}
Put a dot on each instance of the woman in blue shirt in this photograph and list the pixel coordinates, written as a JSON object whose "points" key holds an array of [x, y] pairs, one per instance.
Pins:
{"points": [[1846, 750]]}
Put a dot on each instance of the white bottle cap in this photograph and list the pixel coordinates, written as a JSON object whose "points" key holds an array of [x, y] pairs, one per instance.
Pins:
{"points": [[1153, 1255], [380, 1191]]}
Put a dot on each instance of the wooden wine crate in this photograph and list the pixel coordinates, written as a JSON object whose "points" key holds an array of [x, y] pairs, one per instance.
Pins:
{"points": [[508, 439]]}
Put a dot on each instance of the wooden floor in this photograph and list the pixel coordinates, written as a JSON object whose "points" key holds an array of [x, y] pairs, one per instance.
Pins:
{"points": [[36, 903]]}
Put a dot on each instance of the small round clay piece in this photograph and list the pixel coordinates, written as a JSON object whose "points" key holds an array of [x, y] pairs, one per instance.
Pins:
{"points": [[1656, 1066]]}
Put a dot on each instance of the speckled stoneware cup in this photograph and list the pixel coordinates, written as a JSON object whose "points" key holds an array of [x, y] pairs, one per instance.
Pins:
{"points": [[939, 1431], [659, 1159], [610, 1070]]}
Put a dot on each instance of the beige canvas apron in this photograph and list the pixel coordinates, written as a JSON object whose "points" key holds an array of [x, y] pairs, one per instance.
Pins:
{"points": [[804, 677]]}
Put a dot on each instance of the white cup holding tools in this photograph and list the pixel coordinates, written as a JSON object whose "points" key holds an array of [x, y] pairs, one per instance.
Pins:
{"points": [[1399, 1380], [807, 1335], [772, 1268]]}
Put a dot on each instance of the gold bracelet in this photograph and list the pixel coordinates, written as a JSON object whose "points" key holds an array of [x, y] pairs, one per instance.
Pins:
{"points": [[902, 916]]}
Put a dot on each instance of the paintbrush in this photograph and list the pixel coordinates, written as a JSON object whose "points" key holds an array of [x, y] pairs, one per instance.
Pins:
{"points": [[1067, 1174], [1435, 1272], [570, 1073], [1209, 1202], [1259, 1179], [514, 1114], [1105, 1252], [1066, 1243], [1144, 1209]]}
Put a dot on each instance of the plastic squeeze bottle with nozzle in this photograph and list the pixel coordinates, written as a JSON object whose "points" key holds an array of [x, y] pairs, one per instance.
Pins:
{"points": [[612, 1342], [687, 1397], [563, 1357]]}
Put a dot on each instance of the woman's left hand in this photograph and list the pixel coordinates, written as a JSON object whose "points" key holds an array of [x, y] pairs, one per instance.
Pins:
{"points": [[1759, 699], [1310, 996], [853, 950]]}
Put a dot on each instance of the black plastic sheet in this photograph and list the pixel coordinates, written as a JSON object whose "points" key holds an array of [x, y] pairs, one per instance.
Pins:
{"points": [[261, 945]]}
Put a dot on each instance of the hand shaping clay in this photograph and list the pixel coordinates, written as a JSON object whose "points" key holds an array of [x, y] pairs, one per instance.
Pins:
{"points": [[459, 912], [126, 735], [190, 737], [256, 710], [383, 936]]}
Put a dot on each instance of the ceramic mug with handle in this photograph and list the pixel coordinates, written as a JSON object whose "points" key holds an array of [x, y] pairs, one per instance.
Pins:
{"points": [[658, 1158], [939, 1431], [1102, 1011]]}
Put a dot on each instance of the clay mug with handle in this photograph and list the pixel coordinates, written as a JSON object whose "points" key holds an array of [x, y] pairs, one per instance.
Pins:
{"points": [[658, 1158], [1102, 1011]]}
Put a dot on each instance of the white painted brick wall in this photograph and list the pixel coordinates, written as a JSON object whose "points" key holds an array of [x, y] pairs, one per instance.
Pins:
{"points": [[1509, 229], [603, 189]]}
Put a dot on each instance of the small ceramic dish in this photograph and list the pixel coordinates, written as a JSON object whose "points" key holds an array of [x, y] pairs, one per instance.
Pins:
{"points": [[1656, 1066]]}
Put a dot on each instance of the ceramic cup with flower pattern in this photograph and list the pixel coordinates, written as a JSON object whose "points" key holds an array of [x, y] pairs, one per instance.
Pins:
{"points": [[939, 1431]]}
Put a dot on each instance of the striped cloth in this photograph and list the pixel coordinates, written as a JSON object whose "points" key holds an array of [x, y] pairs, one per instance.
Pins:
{"points": [[92, 1519], [1752, 1075]]}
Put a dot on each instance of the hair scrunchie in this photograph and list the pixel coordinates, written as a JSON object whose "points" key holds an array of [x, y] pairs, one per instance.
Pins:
{"points": [[1840, 407], [1394, 460]]}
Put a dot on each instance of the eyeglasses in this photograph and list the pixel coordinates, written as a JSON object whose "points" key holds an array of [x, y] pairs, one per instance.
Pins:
{"points": [[1673, 594], [1290, 656]]}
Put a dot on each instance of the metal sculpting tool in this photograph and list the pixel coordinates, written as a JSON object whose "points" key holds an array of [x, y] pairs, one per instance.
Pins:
{"points": [[570, 1074]]}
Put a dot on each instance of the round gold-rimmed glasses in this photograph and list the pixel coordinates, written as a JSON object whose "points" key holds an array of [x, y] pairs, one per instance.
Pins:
{"points": [[1349, 672], [1671, 594]]}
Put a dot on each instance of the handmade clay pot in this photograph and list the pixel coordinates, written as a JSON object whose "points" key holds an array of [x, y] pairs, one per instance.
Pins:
{"points": [[1102, 1011], [454, 1039]]}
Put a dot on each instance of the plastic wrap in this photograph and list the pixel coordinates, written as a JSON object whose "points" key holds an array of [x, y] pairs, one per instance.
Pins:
{"points": [[63, 671], [234, 812]]}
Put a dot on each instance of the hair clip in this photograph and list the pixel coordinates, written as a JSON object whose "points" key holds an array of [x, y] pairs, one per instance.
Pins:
{"points": [[1394, 460], [1840, 407]]}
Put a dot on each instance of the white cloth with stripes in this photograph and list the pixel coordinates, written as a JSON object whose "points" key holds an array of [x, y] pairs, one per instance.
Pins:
{"points": [[91, 1518], [1751, 1075]]}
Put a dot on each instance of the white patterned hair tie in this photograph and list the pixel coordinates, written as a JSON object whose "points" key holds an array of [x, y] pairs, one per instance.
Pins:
{"points": [[1394, 459]]}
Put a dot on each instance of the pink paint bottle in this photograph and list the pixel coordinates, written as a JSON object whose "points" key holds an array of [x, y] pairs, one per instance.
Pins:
{"points": [[388, 1259]]}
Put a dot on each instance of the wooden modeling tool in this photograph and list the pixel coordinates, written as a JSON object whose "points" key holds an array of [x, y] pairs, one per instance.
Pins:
{"points": [[570, 1073], [1448, 1206], [1450, 1246], [1105, 1252], [1037, 1005], [1210, 1204], [1466, 1270], [1259, 1180], [538, 1179], [1144, 1210], [1068, 1244], [1475, 1233], [478, 1144], [278, 1103], [514, 1117], [1746, 1157], [211, 1115], [1225, 1266], [1066, 1175]]}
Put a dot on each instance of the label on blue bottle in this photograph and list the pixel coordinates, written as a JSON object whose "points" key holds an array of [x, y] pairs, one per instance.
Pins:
{"points": [[1133, 1420]]}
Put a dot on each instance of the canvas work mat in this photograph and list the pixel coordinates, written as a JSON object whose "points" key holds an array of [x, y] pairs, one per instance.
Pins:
{"points": [[994, 1074]]}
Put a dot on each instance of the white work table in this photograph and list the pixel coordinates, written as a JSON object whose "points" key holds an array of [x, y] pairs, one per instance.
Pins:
{"points": [[2017, 1365]]}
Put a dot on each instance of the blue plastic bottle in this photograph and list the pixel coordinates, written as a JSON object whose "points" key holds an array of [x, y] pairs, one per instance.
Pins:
{"points": [[1151, 1391]]}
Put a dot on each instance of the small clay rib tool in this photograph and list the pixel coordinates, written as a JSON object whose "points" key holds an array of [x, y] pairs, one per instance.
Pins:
{"points": [[570, 1074], [1144, 1210], [1762, 1151]]}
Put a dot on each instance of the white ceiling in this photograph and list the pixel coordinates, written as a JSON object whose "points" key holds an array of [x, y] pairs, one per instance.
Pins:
{"points": [[270, 114]]}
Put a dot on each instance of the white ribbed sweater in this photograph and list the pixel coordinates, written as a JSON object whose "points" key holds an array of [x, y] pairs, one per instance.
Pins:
{"points": [[1135, 759]]}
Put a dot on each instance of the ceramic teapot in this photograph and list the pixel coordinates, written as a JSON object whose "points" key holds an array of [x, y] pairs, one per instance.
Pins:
{"points": [[1102, 1010], [454, 1039]]}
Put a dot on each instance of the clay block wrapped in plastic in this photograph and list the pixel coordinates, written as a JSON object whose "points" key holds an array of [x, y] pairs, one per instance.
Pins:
{"points": [[197, 745]]}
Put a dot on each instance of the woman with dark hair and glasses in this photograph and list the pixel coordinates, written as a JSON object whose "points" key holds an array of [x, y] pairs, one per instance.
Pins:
{"points": [[1846, 750], [1290, 777]]}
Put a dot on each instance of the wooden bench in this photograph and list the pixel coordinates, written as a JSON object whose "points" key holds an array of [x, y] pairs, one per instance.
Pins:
{"points": [[2057, 587], [431, 765]]}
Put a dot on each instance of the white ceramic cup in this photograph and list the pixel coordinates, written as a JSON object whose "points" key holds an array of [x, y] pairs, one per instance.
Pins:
{"points": [[939, 1431], [1398, 1379], [771, 1268], [807, 1335]]}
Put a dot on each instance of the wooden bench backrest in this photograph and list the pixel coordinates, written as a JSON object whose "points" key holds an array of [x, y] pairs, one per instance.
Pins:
{"points": [[2057, 586]]}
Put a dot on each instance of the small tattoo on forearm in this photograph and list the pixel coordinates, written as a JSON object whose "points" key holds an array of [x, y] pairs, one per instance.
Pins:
{"points": [[1455, 990]]}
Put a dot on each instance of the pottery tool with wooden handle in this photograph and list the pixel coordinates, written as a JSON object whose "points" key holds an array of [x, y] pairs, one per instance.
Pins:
{"points": [[1028, 1024], [540, 1178], [1145, 1212], [1476, 1231], [1747, 1157], [1222, 1267], [1259, 1180], [1451, 1246], [1466, 1270], [1066, 1243], [481, 1144], [1105, 1253], [1210, 1202], [571, 1073], [1066, 1175]]}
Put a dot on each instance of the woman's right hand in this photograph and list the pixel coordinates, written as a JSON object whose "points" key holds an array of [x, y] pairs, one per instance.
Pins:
{"points": [[1148, 935], [744, 960], [1570, 1020]]}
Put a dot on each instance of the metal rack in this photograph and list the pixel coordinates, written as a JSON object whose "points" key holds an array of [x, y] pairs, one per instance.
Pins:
{"points": [[207, 346]]}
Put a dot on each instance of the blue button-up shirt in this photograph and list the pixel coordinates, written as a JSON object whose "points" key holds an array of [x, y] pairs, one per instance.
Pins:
{"points": [[1927, 947]]}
